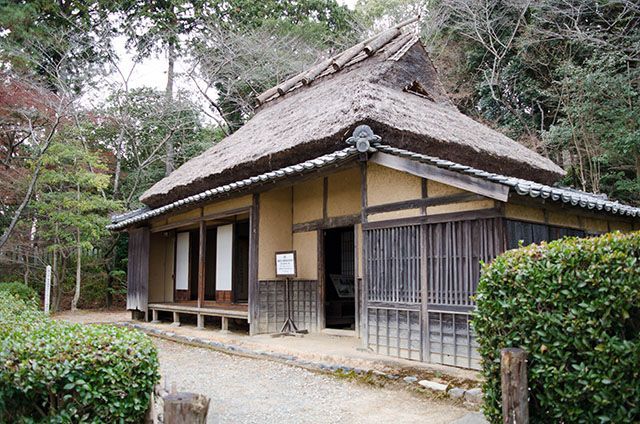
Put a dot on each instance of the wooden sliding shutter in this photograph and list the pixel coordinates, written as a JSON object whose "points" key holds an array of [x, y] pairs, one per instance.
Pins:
{"points": [[393, 293], [138, 269], [441, 260], [454, 252]]}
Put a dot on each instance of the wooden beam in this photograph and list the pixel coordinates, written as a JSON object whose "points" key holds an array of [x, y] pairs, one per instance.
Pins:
{"points": [[209, 217], [465, 182], [318, 224], [202, 249], [433, 219], [424, 203], [254, 225], [325, 197]]}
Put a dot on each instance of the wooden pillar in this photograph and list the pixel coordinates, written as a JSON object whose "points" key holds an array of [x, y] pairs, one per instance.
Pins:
{"points": [[254, 224], [200, 325], [364, 202], [515, 393], [185, 408], [176, 319], [201, 261], [224, 325], [154, 314]]}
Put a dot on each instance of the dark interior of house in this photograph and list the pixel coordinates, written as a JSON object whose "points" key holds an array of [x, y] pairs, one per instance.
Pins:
{"points": [[339, 265]]}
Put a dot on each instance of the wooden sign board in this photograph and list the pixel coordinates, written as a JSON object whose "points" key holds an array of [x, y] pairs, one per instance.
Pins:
{"points": [[286, 264]]}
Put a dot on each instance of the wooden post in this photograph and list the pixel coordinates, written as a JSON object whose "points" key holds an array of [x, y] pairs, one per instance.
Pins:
{"points": [[185, 408], [254, 223], [176, 319], [515, 391], [47, 289], [201, 262]]}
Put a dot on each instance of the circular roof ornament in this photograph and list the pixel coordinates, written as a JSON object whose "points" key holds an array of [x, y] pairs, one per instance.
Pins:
{"points": [[362, 138]]}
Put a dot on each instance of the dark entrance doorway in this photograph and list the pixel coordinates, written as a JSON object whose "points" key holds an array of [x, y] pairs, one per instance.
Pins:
{"points": [[339, 287], [241, 262]]}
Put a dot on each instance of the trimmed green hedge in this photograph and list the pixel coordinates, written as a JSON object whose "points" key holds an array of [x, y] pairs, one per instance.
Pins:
{"points": [[53, 371], [574, 306], [19, 290]]}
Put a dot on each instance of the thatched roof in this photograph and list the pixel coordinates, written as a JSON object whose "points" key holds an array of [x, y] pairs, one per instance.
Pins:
{"points": [[387, 82]]}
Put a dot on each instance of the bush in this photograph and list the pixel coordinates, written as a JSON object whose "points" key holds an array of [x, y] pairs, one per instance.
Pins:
{"points": [[59, 372], [573, 305], [19, 290]]}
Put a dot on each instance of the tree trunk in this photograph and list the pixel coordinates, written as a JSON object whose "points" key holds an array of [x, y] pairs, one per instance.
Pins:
{"points": [[171, 54], [76, 294], [185, 408], [116, 177], [32, 184]]}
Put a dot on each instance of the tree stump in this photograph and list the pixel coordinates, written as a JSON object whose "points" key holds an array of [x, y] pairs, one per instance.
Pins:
{"points": [[185, 408], [515, 390]]}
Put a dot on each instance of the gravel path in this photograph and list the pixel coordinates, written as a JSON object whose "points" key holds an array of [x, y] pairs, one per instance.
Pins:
{"points": [[246, 390]]}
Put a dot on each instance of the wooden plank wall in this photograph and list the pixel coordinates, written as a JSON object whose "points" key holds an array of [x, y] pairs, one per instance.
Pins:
{"points": [[138, 269], [395, 332], [444, 258], [272, 308], [451, 340]]}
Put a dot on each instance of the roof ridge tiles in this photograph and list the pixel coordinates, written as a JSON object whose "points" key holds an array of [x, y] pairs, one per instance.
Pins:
{"points": [[520, 186]]}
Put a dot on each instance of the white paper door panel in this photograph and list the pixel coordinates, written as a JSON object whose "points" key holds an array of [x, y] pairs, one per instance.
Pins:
{"points": [[182, 261], [224, 257]]}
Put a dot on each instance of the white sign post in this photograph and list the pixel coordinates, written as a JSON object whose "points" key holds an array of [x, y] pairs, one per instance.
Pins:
{"points": [[47, 289], [286, 267], [286, 264]]}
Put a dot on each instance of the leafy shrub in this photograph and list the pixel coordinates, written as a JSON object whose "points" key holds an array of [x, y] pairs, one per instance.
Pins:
{"points": [[59, 372], [19, 290], [573, 305]]}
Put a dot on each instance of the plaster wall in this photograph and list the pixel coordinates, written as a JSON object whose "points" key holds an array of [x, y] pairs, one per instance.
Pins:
{"points": [[306, 247], [274, 229], [227, 205], [343, 193], [307, 200], [386, 185]]}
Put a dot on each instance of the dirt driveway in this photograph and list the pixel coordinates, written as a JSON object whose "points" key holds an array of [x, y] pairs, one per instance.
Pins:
{"points": [[247, 390]]}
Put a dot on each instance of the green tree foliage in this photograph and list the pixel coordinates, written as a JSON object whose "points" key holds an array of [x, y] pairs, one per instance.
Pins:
{"points": [[572, 305], [57, 39], [71, 208]]}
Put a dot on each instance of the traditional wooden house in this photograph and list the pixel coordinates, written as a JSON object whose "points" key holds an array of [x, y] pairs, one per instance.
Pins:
{"points": [[388, 195]]}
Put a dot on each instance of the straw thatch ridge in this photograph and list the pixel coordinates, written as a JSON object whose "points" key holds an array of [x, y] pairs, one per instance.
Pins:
{"points": [[388, 42], [315, 120]]}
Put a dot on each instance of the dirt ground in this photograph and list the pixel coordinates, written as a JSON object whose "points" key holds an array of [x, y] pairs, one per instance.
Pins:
{"points": [[250, 390], [247, 390], [94, 316]]}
